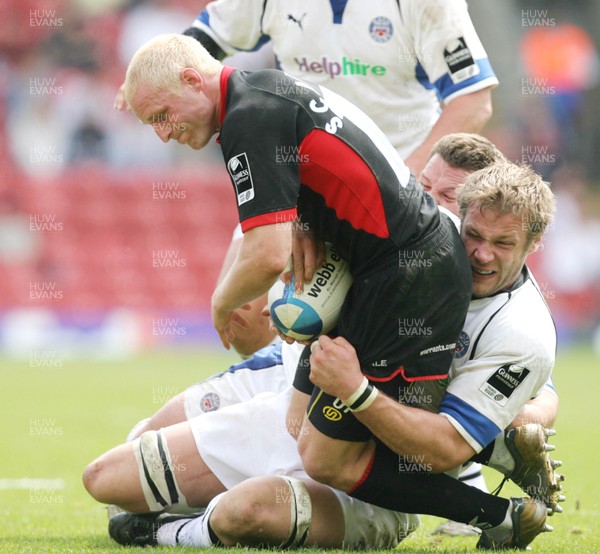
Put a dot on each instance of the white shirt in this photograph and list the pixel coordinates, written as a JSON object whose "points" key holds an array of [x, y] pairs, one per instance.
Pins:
{"points": [[504, 357], [392, 59]]}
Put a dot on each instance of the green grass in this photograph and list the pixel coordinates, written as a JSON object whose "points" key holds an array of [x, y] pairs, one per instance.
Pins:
{"points": [[57, 419]]}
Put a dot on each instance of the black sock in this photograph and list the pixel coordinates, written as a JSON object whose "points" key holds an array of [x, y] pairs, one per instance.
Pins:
{"points": [[483, 457], [418, 492]]}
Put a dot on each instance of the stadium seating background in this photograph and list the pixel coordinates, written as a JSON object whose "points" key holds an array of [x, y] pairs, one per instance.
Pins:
{"points": [[85, 234]]}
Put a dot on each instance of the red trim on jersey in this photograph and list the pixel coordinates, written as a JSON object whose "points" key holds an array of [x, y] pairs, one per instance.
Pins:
{"points": [[364, 475], [341, 176], [269, 219], [400, 371], [223, 82]]}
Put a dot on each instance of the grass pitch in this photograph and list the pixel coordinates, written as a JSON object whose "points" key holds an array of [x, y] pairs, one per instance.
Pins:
{"points": [[58, 415]]}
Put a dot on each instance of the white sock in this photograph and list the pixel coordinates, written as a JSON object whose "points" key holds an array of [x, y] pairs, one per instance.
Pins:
{"points": [[471, 475], [188, 532], [501, 459]]}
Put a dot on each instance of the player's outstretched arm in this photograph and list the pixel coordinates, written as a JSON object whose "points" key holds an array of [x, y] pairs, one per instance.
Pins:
{"points": [[257, 334], [263, 255]]}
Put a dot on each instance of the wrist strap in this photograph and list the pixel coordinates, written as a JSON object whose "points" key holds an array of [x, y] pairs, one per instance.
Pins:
{"points": [[362, 397]]}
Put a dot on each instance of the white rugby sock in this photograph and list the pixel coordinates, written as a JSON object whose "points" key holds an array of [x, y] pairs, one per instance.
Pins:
{"points": [[501, 458], [472, 476], [189, 532]]}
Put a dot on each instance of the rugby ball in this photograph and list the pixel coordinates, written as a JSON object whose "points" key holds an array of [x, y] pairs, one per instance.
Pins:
{"points": [[315, 311]]}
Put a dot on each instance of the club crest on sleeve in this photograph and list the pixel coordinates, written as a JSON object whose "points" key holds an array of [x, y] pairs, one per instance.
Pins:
{"points": [[462, 345], [503, 382], [239, 170], [210, 402], [381, 29], [460, 61]]}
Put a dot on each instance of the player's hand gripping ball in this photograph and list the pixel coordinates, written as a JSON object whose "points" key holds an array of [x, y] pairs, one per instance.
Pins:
{"points": [[315, 311]]}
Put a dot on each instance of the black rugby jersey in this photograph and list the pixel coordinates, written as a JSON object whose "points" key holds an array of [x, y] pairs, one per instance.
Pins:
{"points": [[296, 149]]}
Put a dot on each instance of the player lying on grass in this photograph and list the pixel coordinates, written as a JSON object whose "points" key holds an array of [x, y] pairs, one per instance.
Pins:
{"points": [[100, 478], [252, 446]]}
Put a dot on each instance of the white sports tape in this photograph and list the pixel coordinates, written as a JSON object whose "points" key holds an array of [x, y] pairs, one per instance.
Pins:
{"points": [[157, 477], [357, 393], [300, 511]]}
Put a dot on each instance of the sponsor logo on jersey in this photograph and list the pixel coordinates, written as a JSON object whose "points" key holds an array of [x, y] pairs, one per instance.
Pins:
{"points": [[345, 66], [503, 382], [462, 345], [239, 169], [438, 348], [460, 61], [331, 413], [210, 402], [296, 20], [381, 29]]}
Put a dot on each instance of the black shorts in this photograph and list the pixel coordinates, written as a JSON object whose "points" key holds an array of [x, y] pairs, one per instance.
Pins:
{"points": [[403, 319]]}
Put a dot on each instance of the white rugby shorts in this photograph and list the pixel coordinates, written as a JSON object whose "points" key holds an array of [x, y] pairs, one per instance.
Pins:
{"points": [[250, 439], [244, 380]]}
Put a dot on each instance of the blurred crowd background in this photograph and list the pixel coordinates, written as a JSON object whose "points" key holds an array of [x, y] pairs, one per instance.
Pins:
{"points": [[111, 242]]}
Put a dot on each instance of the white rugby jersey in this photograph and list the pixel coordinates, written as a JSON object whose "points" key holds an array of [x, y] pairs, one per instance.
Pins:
{"points": [[504, 357], [391, 58]]}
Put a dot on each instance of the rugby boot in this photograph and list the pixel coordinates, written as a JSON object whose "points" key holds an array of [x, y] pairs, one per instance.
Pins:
{"points": [[534, 469], [528, 520]]}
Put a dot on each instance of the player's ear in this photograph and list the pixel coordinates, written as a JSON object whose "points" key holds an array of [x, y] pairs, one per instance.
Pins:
{"points": [[192, 78], [535, 245]]}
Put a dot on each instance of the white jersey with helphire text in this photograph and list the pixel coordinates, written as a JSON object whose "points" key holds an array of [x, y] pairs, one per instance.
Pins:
{"points": [[394, 60]]}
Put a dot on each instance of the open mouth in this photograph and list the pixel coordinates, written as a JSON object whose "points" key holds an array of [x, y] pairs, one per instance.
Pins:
{"points": [[483, 272]]}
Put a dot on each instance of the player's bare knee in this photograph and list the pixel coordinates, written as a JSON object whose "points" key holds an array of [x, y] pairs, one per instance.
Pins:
{"points": [[236, 517], [93, 479]]}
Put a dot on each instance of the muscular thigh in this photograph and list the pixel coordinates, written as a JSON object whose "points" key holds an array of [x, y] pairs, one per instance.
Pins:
{"points": [[196, 481]]}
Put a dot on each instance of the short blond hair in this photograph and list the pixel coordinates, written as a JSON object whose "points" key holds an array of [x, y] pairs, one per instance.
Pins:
{"points": [[468, 151], [160, 61], [510, 188]]}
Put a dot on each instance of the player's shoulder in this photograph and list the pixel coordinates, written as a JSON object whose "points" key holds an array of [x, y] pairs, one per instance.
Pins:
{"points": [[429, 12], [527, 305], [255, 100], [268, 90], [520, 322]]}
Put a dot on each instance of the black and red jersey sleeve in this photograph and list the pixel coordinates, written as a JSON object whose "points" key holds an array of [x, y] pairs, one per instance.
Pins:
{"points": [[296, 149], [259, 145]]}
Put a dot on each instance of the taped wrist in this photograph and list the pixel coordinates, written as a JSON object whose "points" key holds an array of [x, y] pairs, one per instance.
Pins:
{"points": [[362, 397]]}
